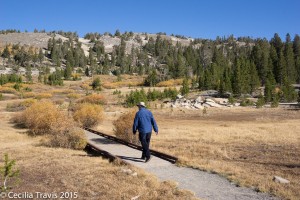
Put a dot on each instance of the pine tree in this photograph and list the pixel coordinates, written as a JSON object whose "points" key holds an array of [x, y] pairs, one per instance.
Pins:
{"points": [[260, 102], [96, 85], [200, 78], [117, 33], [68, 72], [185, 89], [296, 48], [106, 64], [190, 56], [268, 91], [207, 80], [289, 94], [35, 58], [50, 44], [76, 56], [70, 58], [260, 56], [273, 61], [55, 54], [245, 75], [21, 57], [277, 43], [54, 79], [3, 79], [280, 69], [5, 53], [226, 82], [28, 74], [7, 172], [121, 56], [216, 75], [289, 60], [179, 70], [236, 79], [41, 56], [254, 79], [152, 79], [91, 57]]}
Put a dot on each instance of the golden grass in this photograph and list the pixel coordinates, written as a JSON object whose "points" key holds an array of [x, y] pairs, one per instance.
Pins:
{"points": [[28, 95], [43, 96], [73, 96], [114, 85], [28, 102], [54, 170], [93, 99], [85, 86], [19, 105], [112, 82], [76, 76], [8, 90], [8, 85], [60, 170], [62, 91], [59, 102], [247, 146], [170, 83]]}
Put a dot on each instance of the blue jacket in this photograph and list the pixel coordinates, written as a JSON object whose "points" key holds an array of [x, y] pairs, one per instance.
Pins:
{"points": [[144, 121]]}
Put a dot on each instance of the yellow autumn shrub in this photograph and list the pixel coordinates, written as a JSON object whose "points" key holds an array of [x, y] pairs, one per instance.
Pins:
{"points": [[123, 127], [88, 115]]}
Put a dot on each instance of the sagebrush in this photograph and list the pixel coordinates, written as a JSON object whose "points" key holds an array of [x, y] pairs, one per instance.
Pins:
{"points": [[40, 117], [123, 127], [88, 115], [44, 118]]}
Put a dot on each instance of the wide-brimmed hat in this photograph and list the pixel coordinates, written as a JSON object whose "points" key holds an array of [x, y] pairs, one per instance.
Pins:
{"points": [[141, 104]]}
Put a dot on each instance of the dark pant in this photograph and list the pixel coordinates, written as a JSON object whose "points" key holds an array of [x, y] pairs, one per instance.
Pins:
{"points": [[145, 141]]}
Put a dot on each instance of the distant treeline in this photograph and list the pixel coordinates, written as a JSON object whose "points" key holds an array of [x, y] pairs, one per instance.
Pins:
{"points": [[227, 64]]}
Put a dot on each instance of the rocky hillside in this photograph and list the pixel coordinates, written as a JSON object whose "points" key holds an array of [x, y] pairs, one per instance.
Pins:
{"points": [[40, 40]]}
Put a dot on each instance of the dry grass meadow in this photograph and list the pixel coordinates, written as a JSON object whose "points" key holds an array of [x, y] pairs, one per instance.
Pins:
{"points": [[55, 170], [246, 145]]}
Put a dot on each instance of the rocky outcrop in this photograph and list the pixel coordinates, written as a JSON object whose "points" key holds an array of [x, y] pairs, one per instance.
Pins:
{"points": [[200, 102]]}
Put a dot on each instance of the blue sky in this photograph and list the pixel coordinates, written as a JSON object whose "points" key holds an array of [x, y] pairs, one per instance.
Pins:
{"points": [[194, 18]]}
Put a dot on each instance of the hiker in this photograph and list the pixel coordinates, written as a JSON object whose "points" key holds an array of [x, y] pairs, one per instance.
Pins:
{"points": [[143, 122]]}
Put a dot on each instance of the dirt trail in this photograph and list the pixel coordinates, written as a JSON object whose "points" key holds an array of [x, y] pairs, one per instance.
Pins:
{"points": [[205, 185]]}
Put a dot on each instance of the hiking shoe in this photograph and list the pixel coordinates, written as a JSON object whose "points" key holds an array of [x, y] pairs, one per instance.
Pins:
{"points": [[147, 159]]}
